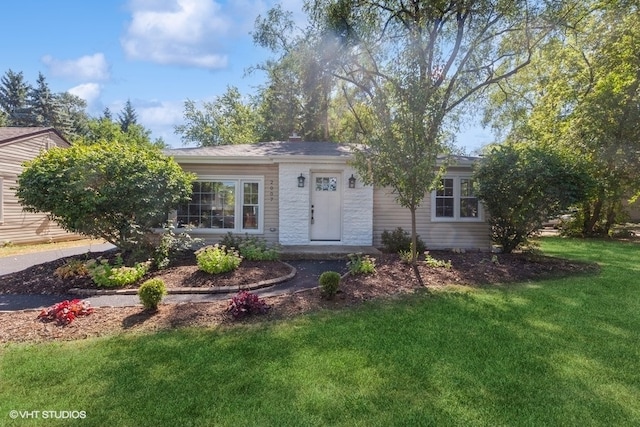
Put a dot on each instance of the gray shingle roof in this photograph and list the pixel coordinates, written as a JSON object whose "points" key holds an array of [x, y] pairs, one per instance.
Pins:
{"points": [[266, 149]]}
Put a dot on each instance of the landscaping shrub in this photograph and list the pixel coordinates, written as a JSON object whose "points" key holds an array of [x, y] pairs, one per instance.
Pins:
{"points": [[171, 244], [217, 259], [71, 268], [231, 240], [361, 264], [66, 311], [436, 263], [329, 283], [251, 248], [400, 240], [245, 303], [112, 276], [151, 293]]}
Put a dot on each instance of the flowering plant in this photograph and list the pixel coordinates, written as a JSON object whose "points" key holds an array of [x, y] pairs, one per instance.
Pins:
{"points": [[245, 303], [66, 311]]}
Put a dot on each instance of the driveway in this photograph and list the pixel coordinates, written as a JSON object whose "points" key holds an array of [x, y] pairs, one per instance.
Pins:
{"points": [[14, 263]]}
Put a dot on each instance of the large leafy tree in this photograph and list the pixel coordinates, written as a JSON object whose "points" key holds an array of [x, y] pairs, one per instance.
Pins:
{"points": [[104, 130], [416, 65], [298, 94], [581, 95], [73, 118], [226, 120], [112, 190]]}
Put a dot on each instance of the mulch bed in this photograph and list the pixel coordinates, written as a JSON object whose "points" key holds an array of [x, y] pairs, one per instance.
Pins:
{"points": [[392, 278]]}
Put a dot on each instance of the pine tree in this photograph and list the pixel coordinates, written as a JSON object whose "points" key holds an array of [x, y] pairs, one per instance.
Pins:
{"points": [[127, 117], [106, 114], [13, 97], [43, 106]]}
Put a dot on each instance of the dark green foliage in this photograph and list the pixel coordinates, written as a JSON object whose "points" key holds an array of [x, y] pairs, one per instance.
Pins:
{"points": [[151, 293], [399, 240], [329, 283], [521, 187], [13, 96], [127, 117], [118, 192], [172, 244]]}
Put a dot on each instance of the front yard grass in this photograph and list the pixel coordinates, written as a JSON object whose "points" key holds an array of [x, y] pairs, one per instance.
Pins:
{"points": [[555, 352]]}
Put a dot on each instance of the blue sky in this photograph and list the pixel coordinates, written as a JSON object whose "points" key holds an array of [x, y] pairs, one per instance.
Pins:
{"points": [[157, 53]]}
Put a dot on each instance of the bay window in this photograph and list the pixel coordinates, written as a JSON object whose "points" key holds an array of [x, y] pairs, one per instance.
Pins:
{"points": [[224, 204]]}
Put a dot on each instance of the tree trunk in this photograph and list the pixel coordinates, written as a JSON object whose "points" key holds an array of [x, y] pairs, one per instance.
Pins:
{"points": [[414, 247]]}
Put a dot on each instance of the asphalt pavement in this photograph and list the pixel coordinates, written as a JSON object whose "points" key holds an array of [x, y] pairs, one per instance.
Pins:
{"points": [[307, 273], [15, 263]]}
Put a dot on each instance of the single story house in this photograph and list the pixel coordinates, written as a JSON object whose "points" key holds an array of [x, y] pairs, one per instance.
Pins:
{"points": [[17, 145], [307, 193]]}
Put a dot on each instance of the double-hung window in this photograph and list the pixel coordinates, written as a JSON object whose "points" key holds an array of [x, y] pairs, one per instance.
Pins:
{"points": [[455, 200], [224, 205]]}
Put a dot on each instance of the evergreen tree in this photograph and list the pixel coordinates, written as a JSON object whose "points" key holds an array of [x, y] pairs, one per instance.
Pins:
{"points": [[43, 107], [127, 117], [13, 97], [106, 114]]}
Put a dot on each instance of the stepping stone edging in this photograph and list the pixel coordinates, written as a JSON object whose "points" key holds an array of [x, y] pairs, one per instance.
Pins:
{"points": [[186, 290]]}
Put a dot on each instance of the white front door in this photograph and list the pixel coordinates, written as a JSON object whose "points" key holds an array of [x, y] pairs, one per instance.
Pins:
{"points": [[326, 206]]}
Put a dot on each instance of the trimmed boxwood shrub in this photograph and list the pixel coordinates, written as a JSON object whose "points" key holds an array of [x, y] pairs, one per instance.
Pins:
{"points": [[329, 283], [151, 293]]}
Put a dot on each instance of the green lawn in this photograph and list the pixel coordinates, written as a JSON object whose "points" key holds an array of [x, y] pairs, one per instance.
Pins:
{"points": [[557, 352]]}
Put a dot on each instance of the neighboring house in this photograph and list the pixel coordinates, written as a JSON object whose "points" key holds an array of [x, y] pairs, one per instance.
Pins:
{"points": [[18, 144], [306, 193]]}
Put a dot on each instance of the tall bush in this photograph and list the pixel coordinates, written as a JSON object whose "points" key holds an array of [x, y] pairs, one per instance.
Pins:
{"points": [[112, 190], [521, 187]]}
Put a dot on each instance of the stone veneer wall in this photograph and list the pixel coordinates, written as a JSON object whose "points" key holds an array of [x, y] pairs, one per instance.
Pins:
{"points": [[294, 205]]}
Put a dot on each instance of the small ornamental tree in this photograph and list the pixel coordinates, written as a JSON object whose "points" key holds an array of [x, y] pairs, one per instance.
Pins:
{"points": [[111, 190], [521, 187]]}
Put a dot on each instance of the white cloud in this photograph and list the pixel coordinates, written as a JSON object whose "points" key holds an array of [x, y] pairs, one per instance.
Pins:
{"points": [[86, 68], [90, 92], [187, 33], [158, 113]]}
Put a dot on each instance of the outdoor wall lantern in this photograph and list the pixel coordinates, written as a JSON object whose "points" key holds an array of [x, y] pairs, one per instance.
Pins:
{"points": [[352, 181], [301, 181]]}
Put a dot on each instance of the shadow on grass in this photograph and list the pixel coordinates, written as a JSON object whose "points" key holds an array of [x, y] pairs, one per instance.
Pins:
{"points": [[560, 352]]}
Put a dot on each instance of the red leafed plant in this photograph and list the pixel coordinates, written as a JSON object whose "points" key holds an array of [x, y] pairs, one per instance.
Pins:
{"points": [[245, 304], [66, 311]]}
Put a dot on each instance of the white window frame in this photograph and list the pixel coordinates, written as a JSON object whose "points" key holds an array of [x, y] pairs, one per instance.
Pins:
{"points": [[239, 203], [456, 203]]}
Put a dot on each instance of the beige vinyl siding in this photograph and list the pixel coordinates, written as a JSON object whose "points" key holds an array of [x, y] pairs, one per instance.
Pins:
{"points": [[388, 215], [16, 225], [270, 174]]}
